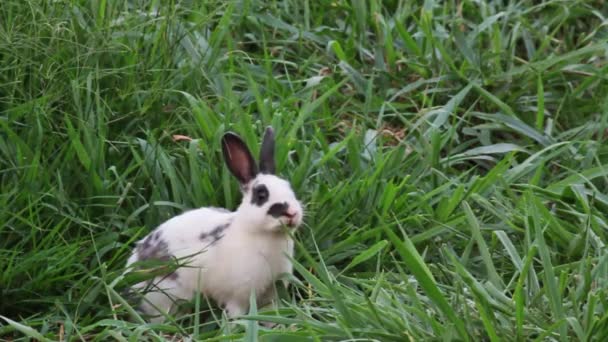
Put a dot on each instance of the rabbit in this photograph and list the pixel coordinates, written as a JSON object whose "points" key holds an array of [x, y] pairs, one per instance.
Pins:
{"points": [[226, 254]]}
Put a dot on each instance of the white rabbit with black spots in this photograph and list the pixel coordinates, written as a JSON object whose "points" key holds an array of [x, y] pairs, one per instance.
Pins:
{"points": [[226, 254]]}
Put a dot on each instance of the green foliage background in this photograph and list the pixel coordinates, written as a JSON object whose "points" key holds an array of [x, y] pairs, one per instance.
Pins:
{"points": [[452, 156]]}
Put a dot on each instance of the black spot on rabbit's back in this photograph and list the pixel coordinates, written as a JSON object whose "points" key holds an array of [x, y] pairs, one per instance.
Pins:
{"points": [[156, 235], [215, 234], [259, 195], [153, 248]]}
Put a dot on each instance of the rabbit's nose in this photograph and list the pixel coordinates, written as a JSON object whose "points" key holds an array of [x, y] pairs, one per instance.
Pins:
{"points": [[290, 212], [292, 217]]}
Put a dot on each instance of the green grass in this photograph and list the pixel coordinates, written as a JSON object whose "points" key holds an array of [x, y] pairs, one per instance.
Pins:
{"points": [[452, 156]]}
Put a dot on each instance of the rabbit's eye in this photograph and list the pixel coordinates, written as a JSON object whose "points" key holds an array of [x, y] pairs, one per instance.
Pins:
{"points": [[260, 195]]}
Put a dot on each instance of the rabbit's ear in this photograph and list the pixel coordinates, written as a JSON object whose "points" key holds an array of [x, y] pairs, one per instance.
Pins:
{"points": [[238, 158], [267, 152]]}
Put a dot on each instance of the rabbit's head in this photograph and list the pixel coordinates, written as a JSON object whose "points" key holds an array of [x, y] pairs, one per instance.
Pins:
{"points": [[268, 202]]}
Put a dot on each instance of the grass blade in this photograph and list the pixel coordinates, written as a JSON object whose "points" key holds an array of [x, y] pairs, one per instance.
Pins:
{"points": [[420, 270]]}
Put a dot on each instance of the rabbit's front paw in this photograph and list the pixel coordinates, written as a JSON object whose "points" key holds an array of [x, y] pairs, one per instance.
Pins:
{"points": [[235, 309]]}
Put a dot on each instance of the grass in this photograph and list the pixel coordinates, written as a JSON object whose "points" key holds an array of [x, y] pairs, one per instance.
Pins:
{"points": [[452, 157]]}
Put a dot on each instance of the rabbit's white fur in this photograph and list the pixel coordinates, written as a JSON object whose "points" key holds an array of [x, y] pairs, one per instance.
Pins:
{"points": [[226, 254]]}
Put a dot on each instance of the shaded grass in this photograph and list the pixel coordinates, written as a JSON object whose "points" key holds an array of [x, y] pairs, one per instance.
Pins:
{"points": [[452, 157]]}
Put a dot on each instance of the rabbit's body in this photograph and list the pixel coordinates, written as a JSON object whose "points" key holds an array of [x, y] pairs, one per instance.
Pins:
{"points": [[225, 254]]}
